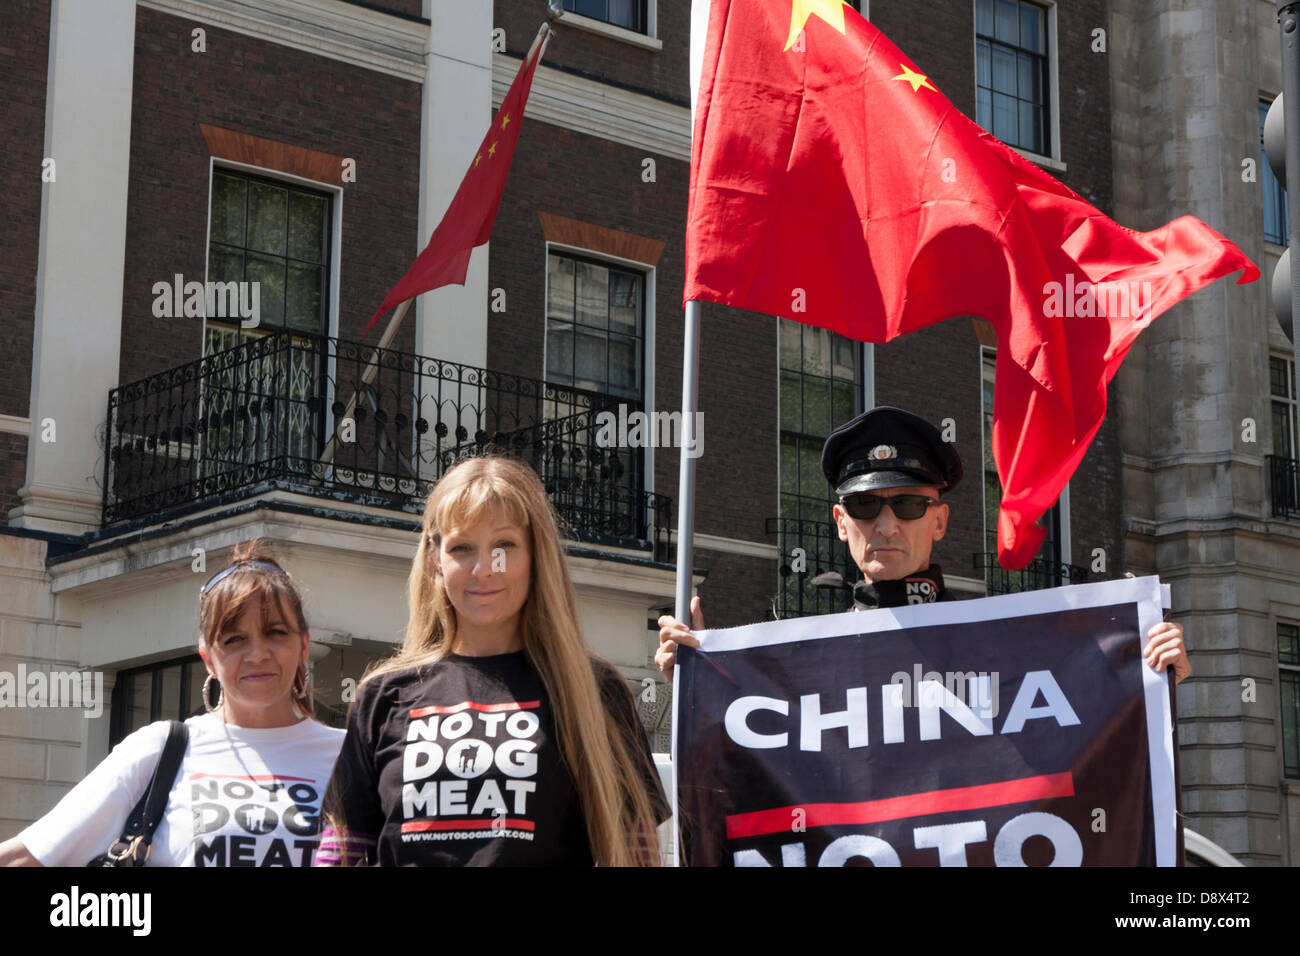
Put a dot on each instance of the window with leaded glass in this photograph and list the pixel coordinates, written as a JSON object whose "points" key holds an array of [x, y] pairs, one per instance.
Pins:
{"points": [[630, 14], [1288, 661], [1012, 80], [1275, 210], [820, 389], [1282, 392]]}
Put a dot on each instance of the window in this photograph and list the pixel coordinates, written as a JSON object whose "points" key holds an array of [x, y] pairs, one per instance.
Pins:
{"points": [[1276, 228], [171, 690], [1048, 568], [595, 341], [1012, 84], [630, 14], [820, 389], [1282, 389], [595, 327], [992, 487], [278, 235], [821, 379], [1288, 662], [1284, 470]]}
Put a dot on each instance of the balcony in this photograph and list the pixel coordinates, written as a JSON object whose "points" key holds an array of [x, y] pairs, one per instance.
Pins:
{"points": [[338, 419], [823, 551], [1284, 483], [1039, 573]]}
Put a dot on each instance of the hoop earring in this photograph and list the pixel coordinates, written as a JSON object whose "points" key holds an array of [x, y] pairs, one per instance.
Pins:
{"points": [[303, 678], [207, 696]]}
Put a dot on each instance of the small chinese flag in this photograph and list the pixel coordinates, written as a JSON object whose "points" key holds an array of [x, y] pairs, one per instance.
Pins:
{"points": [[828, 172], [468, 220]]}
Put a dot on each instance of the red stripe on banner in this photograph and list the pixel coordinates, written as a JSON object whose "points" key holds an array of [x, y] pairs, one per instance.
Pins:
{"points": [[762, 822], [470, 705], [418, 826]]}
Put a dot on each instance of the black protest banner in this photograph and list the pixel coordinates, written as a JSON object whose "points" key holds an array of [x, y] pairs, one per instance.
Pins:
{"points": [[1010, 731]]}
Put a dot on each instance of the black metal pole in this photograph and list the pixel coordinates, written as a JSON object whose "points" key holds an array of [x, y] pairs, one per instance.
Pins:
{"points": [[1288, 18]]}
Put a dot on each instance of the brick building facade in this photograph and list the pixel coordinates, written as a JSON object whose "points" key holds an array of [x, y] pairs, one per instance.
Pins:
{"points": [[404, 88]]}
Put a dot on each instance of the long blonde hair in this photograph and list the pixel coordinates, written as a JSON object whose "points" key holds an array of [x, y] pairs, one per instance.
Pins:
{"points": [[594, 747]]}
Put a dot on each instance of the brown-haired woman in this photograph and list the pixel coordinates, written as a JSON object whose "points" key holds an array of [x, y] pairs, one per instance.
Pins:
{"points": [[494, 737], [249, 787]]}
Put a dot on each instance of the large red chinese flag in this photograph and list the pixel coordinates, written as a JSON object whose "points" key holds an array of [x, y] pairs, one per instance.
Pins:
{"points": [[468, 220], [829, 174]]}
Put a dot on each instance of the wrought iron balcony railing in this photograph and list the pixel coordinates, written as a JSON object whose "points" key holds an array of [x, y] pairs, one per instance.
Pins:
{"points": [[821, 551], [1039, 573], [328, 416], [1284, 485]]}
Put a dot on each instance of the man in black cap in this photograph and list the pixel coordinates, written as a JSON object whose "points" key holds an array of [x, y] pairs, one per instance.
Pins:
{"points": [[889, 469]]}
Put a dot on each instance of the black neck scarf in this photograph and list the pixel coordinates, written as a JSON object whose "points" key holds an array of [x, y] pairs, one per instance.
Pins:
{"points": [[921, 587]]}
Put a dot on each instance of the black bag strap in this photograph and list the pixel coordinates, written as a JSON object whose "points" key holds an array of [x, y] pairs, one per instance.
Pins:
{"points": [[148, 812]]}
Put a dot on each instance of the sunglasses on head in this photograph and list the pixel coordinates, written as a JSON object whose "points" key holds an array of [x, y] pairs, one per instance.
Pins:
{"points": [[905, 507], [239, 566]]}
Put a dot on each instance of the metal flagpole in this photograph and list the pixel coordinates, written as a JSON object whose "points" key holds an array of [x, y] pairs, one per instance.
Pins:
{"points": [[686, 479], [544, 33], [367, 376]]}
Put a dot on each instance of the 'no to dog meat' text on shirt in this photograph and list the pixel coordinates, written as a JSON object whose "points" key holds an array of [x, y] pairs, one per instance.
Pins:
{"points": [[457, 764]]}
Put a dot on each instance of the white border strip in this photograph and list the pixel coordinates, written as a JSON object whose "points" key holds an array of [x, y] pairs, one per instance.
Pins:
{"points": [[1097, 594], [677, 829], [1160, 736]]}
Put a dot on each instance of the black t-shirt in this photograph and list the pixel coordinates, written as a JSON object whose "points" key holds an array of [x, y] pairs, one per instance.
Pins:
{"points": [[457, 764]]}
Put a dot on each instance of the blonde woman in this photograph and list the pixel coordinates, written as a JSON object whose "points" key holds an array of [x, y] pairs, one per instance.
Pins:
{"points": [[254, 770], [494, 737]]}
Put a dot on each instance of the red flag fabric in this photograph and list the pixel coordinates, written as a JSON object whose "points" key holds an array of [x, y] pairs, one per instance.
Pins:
{"points": [[468, 220], [832, 183]]}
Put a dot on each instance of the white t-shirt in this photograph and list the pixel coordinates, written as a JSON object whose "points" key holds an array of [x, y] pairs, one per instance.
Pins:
{"points": [[243, 797]]}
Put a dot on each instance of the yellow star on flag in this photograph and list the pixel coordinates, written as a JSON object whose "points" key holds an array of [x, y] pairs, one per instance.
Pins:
{"points": [[917, 80], [505, 119], [478, 159], [831, 11], [492, 150]]}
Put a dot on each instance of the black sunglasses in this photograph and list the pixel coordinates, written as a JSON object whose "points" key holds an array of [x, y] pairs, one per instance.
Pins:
{"points": [[904, 507]]}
